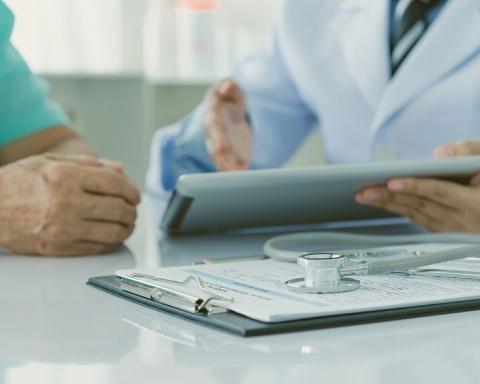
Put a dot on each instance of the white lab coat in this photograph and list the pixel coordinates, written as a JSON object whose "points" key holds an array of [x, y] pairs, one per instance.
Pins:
{"points": [[328, 66]]}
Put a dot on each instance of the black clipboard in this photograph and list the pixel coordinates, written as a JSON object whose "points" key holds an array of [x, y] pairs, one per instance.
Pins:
{"points": [[244, 326]]}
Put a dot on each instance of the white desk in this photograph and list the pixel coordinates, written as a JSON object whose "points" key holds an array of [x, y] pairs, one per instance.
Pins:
{"points": [[55, 329]]}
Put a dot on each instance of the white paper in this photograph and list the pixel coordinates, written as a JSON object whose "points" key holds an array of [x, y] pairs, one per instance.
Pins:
{"points": [[258, 291]]}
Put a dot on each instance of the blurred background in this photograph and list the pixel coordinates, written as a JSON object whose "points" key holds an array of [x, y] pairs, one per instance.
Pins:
{"points": [[123, 68]]}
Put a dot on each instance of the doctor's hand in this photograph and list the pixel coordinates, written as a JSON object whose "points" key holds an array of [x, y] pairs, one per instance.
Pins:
{"points": [[439, 206], [228, 136], [65, 205]]}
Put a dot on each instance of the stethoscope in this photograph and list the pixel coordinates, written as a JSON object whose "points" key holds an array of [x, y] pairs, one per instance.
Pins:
{"points": [[327, 272]]}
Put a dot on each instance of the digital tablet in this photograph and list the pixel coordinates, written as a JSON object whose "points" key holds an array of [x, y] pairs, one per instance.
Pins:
{"points": [[261, 198]]}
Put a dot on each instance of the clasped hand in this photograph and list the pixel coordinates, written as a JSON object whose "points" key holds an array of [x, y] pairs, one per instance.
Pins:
{"points": [[65, 205]]}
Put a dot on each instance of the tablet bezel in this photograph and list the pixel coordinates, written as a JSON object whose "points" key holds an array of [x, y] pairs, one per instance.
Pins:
{"points": [[201, 202]]}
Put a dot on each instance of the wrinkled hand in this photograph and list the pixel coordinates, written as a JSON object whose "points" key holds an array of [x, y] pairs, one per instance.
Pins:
{"points": [[65, 205], [439, 206], [228, 135]]}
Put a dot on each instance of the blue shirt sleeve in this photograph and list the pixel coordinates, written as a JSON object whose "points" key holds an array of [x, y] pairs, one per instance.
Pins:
{"points": [[177, 150], [24, 107]]}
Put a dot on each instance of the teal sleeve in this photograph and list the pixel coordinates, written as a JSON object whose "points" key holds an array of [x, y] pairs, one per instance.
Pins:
{"points": [[24, 104]]}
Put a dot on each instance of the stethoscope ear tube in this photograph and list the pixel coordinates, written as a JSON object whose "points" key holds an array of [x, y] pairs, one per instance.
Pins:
{"points": [[396, 263], [289, 247]]}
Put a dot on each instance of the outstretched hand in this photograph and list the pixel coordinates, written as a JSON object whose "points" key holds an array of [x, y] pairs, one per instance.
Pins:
{"points": [[228, 136]]}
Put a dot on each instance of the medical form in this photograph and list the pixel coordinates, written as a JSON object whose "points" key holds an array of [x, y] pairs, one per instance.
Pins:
{"points": [[258, 292]]}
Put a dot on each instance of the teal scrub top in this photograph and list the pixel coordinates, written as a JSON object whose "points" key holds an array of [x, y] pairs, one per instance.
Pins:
{"points": [[24, 104]]}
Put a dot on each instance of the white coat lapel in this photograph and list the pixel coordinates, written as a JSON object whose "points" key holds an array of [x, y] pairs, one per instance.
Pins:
{"points": [[364, 40], [449, 41]]}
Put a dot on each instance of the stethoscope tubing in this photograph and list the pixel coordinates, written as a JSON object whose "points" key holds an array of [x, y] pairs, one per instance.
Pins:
{"points": [[288, 248]]}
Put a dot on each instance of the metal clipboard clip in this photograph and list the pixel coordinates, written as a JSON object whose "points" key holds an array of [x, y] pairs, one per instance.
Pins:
{"points": [[161, 290]]}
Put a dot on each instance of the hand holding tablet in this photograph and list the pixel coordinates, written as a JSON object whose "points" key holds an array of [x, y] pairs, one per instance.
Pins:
{"points": [[438, 205], [231, 200]]}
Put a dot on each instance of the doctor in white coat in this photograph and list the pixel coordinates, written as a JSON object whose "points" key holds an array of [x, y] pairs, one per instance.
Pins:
{"points": [[382, 79]]}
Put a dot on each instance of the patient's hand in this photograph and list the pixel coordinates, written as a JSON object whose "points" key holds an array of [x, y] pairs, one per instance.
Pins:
{"points": [[65, 205], [439, 206], [228, 135]]}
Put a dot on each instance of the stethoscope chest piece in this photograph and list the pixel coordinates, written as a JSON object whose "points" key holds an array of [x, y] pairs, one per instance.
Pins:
{"points": [[322, 275]]}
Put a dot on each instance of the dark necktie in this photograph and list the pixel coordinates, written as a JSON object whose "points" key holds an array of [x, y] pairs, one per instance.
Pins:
{"points": [[409, 24]]}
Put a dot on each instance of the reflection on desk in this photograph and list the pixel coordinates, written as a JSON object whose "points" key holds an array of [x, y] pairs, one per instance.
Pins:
{"points": [[197, 345], [48, 315]]}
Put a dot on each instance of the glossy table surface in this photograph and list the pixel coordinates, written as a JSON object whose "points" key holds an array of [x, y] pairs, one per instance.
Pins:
{"points": [[56, 329]]}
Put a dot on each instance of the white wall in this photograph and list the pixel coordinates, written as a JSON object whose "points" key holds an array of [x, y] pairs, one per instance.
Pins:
{"points": [[127, 36], [111, 113]]}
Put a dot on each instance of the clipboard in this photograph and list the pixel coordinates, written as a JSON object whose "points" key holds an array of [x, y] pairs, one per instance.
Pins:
{"points": [[243, 326]]}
